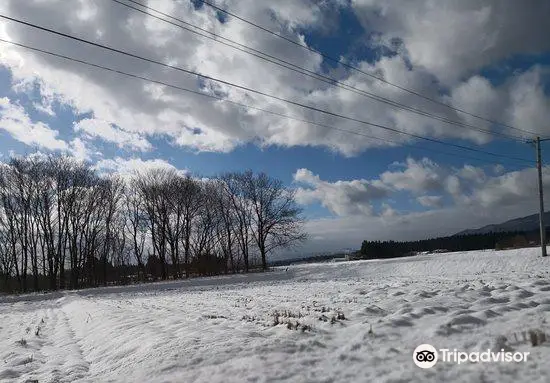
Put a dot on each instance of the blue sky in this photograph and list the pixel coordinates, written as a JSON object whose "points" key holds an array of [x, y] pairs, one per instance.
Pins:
{"points": [[351, 188]]}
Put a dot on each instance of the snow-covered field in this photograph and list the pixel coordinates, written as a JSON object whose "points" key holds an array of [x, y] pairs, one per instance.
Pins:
{"points": [[224, 329]]}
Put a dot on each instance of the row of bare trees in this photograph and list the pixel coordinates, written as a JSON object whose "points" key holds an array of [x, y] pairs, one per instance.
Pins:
{"points": [[62, 225]]}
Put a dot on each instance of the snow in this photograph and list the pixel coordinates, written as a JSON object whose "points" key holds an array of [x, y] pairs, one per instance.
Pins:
{"points": [[338, 322]]}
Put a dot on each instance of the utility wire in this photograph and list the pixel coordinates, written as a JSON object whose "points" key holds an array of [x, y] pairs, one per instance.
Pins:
{"points": [[290, 102], [354, 68], [317, 76], [235, 103], [414, 147]]}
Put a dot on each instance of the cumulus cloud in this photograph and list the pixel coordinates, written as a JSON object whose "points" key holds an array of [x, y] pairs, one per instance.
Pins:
{"points": [[509, 189], [137, 107], [137, 110], [453, 39], [341, 197], [427, 183], [129, 166], [529, 101], [98, 128], [432, 201], [15, 121], [80, 150], [417, 176], [477, 199]]}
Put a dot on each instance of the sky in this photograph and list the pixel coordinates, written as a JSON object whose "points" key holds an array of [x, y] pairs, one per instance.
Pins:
{"points": [[490, 59]]}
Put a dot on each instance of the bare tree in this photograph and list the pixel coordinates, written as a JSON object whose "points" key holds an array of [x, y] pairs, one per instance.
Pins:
{"points": [[149, 185], [136, 224], [207, 222], [276, 221], [173, 192], [46, 215], [17, 199], [226, 229], [190, 198], [235, 189], [112, 193], [6, 259]]}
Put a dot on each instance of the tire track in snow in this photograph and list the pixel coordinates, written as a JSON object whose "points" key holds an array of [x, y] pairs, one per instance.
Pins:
{"points": [[21, 354], [57, 356]]}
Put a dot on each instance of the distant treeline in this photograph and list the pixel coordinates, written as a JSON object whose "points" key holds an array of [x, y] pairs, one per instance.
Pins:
{"points": [[310, 259], [468, 242]]}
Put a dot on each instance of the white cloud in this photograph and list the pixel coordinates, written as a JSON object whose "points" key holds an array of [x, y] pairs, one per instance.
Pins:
{"points": [[80, 150], [499, 169], [141, 110], [510, 189], [418, 176], [476, 199], [45, 105], [432, 201], [92, 127], [341, 197], [502, 198], [130, 166], [15, 121], [453, 38], [388, 211], [529, 105]]}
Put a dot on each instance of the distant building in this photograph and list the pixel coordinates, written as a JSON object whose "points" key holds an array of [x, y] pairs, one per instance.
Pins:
{"points": [[342, 259], [353, 257]]}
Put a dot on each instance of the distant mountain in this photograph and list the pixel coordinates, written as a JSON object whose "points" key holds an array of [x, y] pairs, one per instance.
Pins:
{"points": [[529, 223]]}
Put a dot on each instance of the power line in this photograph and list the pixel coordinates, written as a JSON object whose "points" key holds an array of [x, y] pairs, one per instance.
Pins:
{"points": [[296, 68], [290, 102], [354, 68], [235, 103]]}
